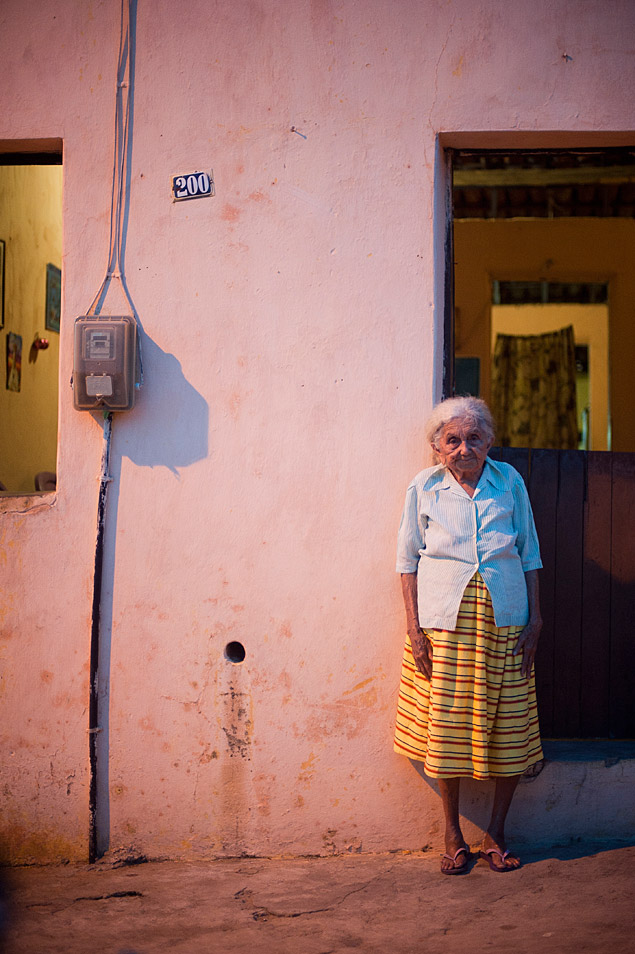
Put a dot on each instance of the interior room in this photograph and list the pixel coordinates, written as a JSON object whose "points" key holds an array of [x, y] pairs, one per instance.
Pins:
{"points": [[543, 251], [30, 304]]}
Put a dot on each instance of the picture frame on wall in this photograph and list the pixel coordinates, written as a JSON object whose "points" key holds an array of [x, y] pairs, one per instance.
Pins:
{"points": [[2, 250], [14, 361], [53, 298]]}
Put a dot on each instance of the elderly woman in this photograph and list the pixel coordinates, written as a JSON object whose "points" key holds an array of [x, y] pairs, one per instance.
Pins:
{"points": [[468, 557]]}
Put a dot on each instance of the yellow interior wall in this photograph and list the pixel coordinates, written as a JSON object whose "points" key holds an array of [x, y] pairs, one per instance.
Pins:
{"points": [[31, 227], [565, 250], [590, 327]]}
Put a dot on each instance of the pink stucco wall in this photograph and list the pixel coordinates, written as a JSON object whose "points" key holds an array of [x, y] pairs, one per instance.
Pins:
{"points": [[291, 349]]}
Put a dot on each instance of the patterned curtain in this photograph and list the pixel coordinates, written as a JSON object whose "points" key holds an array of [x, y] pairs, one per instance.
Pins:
{"points": [[533, 390]]}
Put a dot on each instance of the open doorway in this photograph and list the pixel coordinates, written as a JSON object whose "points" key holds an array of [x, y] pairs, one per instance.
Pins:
{"points": [[30, 297], [543, 241], [542, 262]]}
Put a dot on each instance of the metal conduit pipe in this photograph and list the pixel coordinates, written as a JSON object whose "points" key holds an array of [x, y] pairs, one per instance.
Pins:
{"points": [[93, 706]]}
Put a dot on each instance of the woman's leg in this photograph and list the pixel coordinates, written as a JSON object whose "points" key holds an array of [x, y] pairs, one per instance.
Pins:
{"points": [[449, 789], [495, 835]]}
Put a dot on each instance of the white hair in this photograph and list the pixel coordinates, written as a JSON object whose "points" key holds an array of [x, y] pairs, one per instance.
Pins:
{"points": [[471, 410]]}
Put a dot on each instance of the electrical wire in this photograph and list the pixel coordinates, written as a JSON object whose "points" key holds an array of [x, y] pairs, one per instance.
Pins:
{"points": [[122, 147], [122, 120], [121, 158]]}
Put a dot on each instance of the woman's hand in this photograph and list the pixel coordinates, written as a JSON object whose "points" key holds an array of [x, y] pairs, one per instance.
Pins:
{"points": [[527, 645], [421, 645], [421, 650], [528, 639]]}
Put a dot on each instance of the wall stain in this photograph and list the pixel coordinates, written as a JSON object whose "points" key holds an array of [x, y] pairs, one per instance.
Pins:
{"points": [[328, 840], [459, 67], [359, 686], [238, 729], [148, 725], [207, 756], [306, 773], [20, 845], [230, 213]]}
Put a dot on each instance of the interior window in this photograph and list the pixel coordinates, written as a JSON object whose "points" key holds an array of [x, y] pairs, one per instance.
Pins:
{"points": [[30, 303]]}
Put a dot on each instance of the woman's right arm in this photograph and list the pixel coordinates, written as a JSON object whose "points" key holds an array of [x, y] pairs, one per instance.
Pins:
{"points": [[421, 645]]}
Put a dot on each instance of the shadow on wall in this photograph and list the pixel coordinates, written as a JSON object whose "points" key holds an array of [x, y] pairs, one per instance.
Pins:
{"points": [[169, 426]]}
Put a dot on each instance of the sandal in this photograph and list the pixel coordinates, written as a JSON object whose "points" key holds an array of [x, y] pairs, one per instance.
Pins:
{"points": [[456, 869], [487, 854]]}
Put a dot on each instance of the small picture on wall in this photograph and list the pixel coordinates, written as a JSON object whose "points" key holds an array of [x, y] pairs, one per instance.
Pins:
{"points": [[2, 248], [53, 298], [14, 361]]}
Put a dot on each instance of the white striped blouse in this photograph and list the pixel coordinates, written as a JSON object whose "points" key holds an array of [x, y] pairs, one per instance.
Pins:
{"points": [[446, 536]]}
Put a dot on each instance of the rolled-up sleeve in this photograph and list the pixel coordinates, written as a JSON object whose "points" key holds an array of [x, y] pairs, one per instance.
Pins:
{"points": [[410, 540], [527, 539]]}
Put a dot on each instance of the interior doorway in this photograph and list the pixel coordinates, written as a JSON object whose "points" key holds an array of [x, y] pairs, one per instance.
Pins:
{"points": [[534, 323]]}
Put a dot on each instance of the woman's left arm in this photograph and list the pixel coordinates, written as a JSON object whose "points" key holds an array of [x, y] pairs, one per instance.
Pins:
{"points": [[528, 639]]}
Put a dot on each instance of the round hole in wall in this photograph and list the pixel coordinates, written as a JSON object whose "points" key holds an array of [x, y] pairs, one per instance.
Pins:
{"points": [[235, 652]]}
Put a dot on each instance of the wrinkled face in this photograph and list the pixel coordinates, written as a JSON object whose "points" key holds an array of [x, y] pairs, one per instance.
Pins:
{"points": [[462, 447]]}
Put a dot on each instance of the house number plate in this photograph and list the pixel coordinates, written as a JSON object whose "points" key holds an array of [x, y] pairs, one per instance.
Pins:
{"points": [[192, 185]]}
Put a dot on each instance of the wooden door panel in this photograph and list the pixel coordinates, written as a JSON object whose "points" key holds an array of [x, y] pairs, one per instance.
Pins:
{"points": [[622, 673], [584, 507], [543, 492], [568, 593], [596, 598]]}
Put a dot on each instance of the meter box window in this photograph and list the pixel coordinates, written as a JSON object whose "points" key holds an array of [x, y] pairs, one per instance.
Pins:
{"points": [[104, 371]]}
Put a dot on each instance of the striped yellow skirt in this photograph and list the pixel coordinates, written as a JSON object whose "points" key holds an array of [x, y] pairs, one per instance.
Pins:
{"points": [[477, 716]]}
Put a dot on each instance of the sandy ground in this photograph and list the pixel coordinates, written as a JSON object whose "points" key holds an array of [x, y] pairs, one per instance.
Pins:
{"points": [[574, 899]]}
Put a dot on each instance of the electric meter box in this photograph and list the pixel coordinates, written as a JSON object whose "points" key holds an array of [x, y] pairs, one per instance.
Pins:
{"points": [[105, 363]]}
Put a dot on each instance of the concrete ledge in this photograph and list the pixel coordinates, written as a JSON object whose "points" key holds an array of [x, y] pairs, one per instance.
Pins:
{"points": [[585, 791], [33, 501], [609, 751]]}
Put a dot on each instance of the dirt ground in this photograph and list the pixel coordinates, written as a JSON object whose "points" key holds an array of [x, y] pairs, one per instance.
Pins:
{"points": [[573, 899]]}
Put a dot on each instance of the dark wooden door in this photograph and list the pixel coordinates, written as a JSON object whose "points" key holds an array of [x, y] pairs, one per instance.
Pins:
{"points": [[584, 506]]}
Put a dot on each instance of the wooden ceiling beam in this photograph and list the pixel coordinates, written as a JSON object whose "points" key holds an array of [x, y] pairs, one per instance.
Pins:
{"points": [[591, 175]]}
